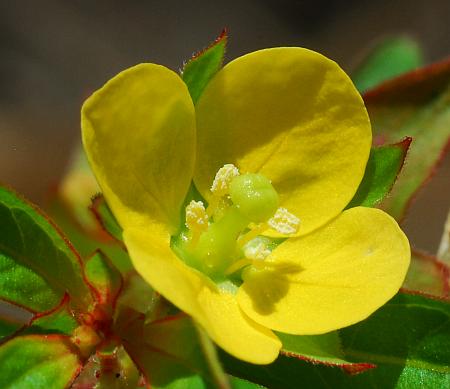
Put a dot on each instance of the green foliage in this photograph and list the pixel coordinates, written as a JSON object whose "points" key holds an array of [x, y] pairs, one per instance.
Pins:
{"points": [[59, 321], [104, 277], [427, 274], [389, 58], [416, 105], [38, 362], [408, 339], [199, 70], [38, 265], [106, 218], [382, 169]]}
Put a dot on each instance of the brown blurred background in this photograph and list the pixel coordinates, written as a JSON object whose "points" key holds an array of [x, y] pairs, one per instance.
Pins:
{"points": [[54, 53]]}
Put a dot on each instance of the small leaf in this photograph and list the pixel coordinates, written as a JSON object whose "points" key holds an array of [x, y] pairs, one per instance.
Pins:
{"points": [[104, 277], [115, 370], [199, 70], [408, 339], [427, 274], [58, 321], [382, 169], [166, 351], [389, 58], [38, 264], [323, 349], [417, 105], [38, 362], [106, 218]]}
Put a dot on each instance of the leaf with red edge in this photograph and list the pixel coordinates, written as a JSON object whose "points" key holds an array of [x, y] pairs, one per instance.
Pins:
{"points": [[38, 263], [408, 339], [382, 169], [38, 362], [427, 274], [166, 350], [202, 67], [416, 104], [323, 349], [104, 277], [105, 218], [60, 320]]}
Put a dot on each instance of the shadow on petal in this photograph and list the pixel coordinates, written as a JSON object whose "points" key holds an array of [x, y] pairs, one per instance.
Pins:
{"points": [[268, 285]]}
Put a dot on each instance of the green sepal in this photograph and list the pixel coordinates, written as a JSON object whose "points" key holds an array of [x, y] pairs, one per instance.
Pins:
{"points": [[38, 264], [38, 362], [417, 105], [408, 339], [104, 277], [199, 70], [58, 321], [104, 216], [389, 58], [428, 274], [382, 169]]}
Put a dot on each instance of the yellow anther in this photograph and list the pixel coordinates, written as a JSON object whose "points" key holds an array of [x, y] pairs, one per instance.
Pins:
{"points": [[223, 178], [256, 251], [196, 217], [284, 222]]}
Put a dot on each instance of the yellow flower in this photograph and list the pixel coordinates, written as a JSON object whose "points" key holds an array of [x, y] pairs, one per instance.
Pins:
{"points": [[293, 124]]}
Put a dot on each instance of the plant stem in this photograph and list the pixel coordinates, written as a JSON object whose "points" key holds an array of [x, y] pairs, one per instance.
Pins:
{"points": [[210, 351]]}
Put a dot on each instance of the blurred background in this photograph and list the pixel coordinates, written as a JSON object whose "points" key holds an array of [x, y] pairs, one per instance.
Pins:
{"points": [[55, 53]]}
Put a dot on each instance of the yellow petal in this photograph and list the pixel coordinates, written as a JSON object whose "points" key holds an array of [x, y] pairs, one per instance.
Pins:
{"points": [[334, 277], [139, 135], [216, 310], [294, 116]]}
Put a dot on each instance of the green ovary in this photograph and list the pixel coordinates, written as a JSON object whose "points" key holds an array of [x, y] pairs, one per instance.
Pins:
{"points": [[253, 200]]}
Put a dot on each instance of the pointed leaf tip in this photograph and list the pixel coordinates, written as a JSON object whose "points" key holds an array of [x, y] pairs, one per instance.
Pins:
{"points": [[203, 65], [384, 165]]}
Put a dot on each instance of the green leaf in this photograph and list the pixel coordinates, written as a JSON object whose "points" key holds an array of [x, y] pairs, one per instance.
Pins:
{"points": [[323, 349], [86, 243], [104, 216], [38, 362], [58, 321], [382, 169], [199, 70], [417, 105], [427, 274], [37, 263], [166, 351], [408, 339], [104, 277], [389, 58]]}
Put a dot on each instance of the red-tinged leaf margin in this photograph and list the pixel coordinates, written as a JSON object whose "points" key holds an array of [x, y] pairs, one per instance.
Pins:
{"points": [[97, 201], [107, 299], [223, 37], [442, 268], [405, 85], [67, 341], [57, 230], [350, 367], [401, 85]]}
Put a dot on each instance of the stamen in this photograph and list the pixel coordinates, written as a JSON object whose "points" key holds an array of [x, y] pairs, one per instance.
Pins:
{"points": [[196, 217], [257, 250], [238, 265], [284, 222], [223, 178]]}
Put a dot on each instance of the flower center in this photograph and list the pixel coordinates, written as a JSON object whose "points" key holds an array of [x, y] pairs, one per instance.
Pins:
{"points": [[225, 237]]}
